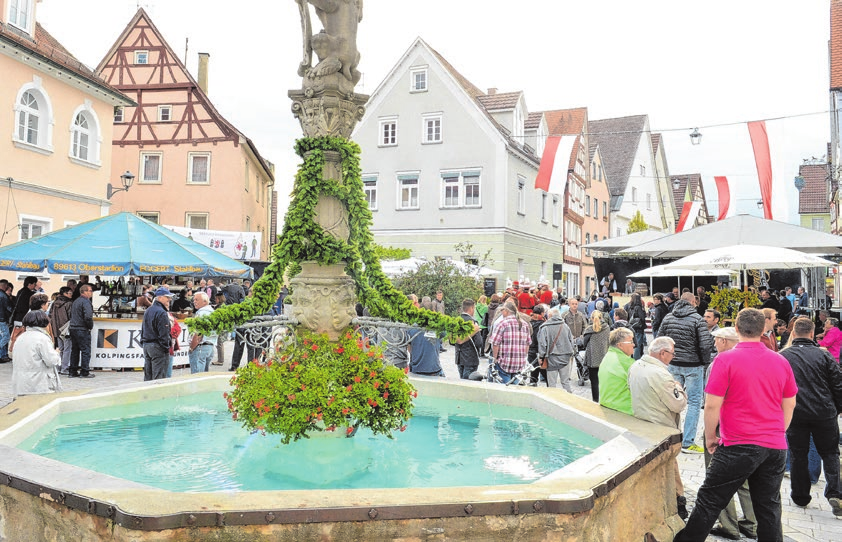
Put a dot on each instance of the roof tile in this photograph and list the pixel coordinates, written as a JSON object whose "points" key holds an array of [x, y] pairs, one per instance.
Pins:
{"points": [[835, 44], [813, 198], [618, 140]]}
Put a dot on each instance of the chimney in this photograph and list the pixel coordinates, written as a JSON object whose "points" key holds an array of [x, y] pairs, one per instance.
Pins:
{"points": [[204, 59], [492, 91]]}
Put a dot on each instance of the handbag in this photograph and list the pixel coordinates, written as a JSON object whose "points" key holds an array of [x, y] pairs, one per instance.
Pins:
{"points": [[195, 341], [64, 331], [544, 361]]}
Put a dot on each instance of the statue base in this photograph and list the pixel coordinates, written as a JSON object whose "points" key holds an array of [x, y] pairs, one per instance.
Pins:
{"points": [[326, 108], [324, 298]]}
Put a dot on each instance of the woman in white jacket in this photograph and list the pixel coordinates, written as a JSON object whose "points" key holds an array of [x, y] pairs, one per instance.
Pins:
{"points": [[35, 360]]}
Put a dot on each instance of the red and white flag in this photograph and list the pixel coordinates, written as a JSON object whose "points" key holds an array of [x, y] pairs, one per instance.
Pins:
{"points": [[689, 212], [555, 162], [724, 195], [763, 161]]}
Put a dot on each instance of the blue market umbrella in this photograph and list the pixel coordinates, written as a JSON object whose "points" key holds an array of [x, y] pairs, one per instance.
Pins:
{"points": [[118, 245]]}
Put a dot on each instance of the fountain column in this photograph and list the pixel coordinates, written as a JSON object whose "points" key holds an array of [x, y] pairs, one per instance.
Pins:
{"points": [[324, 296]]}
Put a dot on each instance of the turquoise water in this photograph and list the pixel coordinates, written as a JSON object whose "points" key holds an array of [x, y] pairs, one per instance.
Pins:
{"points": [[191, 443]]}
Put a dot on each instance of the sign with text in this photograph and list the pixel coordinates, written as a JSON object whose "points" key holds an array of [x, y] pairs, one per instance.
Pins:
{"points": [[115, 343], [239, 245]]}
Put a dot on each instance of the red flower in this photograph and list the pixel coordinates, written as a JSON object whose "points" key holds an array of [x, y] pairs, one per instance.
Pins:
{"points": [[349, 430], [225, 395], [291, 397], [415, 394], [315, 347], [376, 385], [303, 387], [386, 395], [357, 379], [386, 385], [349, 388], [406, 370], [304, 355], [340, 350], [344, 411], [347, 335], [372, 374], [403, 428]]}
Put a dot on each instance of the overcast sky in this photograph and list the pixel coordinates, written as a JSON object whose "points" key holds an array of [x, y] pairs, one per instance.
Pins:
{"points": [[683, 63]]}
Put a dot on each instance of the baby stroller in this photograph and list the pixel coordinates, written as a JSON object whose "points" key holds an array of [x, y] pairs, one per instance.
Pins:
{"points": [[581, 370]]}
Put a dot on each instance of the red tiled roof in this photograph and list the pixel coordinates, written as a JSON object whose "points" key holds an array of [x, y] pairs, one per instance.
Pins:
{"points": [[656, 142], [568, 122], [533, 121], [813, 198], [618, 140], [500, 101], [835, 44], [695, 181], [44, 45]]}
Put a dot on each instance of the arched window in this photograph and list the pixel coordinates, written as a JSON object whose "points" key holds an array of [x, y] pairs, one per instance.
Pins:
{"points": [[84, 136], [81, 140], [29, 118]]}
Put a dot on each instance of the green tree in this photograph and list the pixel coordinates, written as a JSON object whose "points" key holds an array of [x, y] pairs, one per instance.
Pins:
{"points": [[391, 253], [638, 223], [455, 284], [470, 255]]}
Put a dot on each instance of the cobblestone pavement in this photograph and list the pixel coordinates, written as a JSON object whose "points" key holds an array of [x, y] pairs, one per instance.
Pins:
{"points": [[815, 523]]}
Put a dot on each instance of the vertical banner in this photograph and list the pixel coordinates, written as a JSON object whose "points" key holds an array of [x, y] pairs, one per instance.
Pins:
{"points": [[763, 160], [724, 196]]}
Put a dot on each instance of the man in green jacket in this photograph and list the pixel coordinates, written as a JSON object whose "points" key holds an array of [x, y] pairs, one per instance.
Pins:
{"points": [[614, 371]]}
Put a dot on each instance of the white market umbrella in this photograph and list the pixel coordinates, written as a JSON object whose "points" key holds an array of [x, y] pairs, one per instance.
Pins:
{"points": [[745, 257], [393, 268], [617, 244], [663, 271], [477, 271]]}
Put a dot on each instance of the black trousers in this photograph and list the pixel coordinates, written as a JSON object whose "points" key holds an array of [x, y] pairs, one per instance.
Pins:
{"points": [[826, 437], [593, 373], [729, 467], [239, 348], [156, 359], [80, 351]]}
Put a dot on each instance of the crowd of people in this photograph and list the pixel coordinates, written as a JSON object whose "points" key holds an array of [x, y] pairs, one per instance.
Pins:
{"points": [[46, 337]]}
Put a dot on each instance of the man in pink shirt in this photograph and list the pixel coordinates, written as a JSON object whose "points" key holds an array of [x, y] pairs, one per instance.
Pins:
{"points": [[751, 395]]}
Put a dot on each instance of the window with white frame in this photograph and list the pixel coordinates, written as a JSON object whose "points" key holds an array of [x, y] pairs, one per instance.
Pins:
{"points": [[604, 210], [119, 114], [545, 204], [649, 201], [596, 209], [521, 195], [20, 12], [418, 79], [818, 224], [164, 113], [587, 205], [388, 132], [150, 167], [370, 189], [408, 191], [151, 216], [84, 137], [141, 57], [432, 129], [33, 119], [460, 189], [196, 221], [619, 233], [555, 211], [634, 196], [198, 168], [31, 228]]}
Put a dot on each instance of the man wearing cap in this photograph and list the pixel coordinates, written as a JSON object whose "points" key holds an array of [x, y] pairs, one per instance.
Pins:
{"points": [[155, 336], [201, 356], [81, 324]]}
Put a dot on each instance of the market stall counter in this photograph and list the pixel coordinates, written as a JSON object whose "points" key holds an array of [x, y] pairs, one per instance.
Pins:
{"points": [[115, 342]]}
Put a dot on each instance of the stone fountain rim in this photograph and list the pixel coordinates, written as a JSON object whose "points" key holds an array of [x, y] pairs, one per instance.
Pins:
{"points": [[572, 489]]}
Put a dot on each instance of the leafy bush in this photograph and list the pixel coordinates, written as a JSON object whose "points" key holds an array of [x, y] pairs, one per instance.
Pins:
{"points": [[455, 284], [318, 385], [728, 302]]}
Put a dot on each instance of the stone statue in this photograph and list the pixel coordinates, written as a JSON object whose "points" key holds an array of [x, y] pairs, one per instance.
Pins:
{"points": [[336, 44]]}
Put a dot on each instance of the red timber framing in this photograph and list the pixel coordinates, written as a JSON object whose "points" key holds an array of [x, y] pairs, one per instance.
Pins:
{"points": [[163, 80]]}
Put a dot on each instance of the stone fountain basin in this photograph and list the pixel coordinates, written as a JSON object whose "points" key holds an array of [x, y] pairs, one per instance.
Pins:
{"points": [[618, 492]]}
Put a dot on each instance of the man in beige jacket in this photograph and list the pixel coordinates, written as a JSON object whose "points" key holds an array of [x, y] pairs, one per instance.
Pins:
{"points": [[658, 398]]}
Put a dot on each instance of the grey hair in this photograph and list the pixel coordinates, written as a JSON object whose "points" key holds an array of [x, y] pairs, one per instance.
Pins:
{"points": [[660, 344], [201, 295], [617, 335], [552, 312]]}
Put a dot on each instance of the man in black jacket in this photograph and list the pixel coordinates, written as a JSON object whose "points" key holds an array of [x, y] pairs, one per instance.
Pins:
{"points": [[819, 381], [81, 324], [693, 345], [5, 314], [22, 302], [468, 349], [155, 336]]}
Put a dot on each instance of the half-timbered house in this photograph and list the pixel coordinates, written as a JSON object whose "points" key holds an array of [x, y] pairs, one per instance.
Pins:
{"points": [[194, 168]]}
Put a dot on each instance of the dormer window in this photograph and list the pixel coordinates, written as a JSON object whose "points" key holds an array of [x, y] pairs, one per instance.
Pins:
{"points": [[141, 57], [418, 79], [20, 12]]}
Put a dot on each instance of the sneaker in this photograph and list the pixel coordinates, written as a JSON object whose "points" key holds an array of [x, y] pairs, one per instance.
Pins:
{"points": [[693, 449], [681, 503], [5, 359], [836, 505], [218, 363]]}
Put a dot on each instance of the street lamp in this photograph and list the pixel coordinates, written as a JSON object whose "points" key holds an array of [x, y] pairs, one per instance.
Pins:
{"points": [[760, 204], [695, 136], [126, 179], [676, 183]]}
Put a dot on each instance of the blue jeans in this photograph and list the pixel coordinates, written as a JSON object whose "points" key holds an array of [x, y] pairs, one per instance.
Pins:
{"points": [[692, 379], [5, 336], [200, 358], [639, 343], [730, 466], [80, 353]]}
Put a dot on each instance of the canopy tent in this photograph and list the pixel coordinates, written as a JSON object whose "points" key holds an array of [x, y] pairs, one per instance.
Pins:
{"points": [[474, 270], [740, 230], [393, 268], [118, 245], [744, 257], [616, 244]]}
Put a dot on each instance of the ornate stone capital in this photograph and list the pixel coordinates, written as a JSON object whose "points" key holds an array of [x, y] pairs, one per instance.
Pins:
{"points": [[324, 298], [327, 112]]}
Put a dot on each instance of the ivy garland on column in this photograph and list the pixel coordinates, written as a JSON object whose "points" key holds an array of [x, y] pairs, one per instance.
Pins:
{"points": [[303, 239]]}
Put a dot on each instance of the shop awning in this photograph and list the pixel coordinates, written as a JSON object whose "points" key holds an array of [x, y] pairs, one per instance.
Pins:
{"points": [[118, 245]]}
